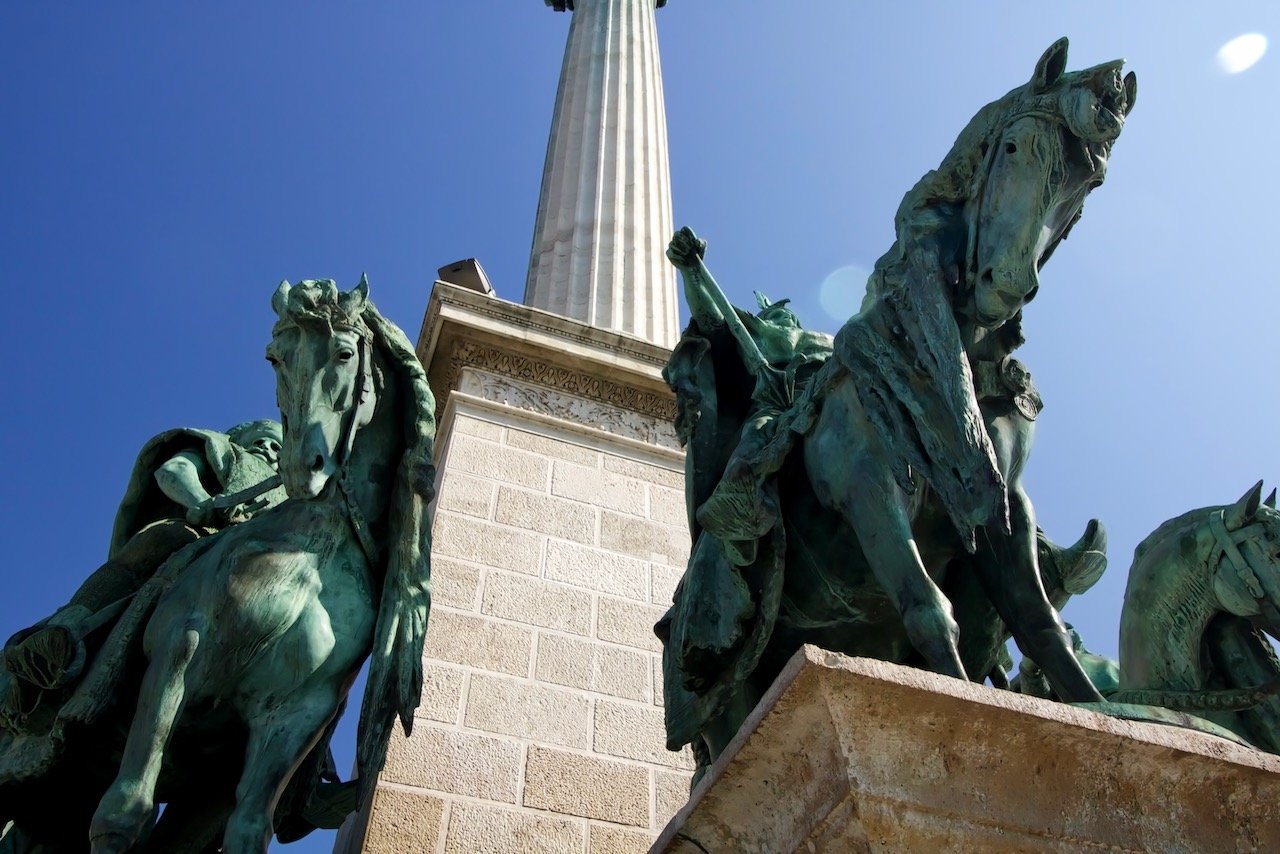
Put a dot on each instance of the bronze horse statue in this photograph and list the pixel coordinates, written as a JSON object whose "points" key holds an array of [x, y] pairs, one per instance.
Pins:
{"points": [[1203, 594], [894, 468], [251, 638]]}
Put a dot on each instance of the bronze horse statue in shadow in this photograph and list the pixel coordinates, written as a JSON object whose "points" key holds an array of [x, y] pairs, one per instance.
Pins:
{"points": [[1203, 593], [897, 467], [254, 636]]}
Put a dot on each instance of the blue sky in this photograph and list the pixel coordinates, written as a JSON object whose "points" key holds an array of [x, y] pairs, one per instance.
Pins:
{"points": [[163, 166]]}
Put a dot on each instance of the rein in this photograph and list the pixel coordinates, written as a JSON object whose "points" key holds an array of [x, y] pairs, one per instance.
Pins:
{"points": [[355, 516]]}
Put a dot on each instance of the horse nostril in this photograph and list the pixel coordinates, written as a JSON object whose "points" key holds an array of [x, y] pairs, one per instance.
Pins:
{"points": [[987, 276], [318, 463]]}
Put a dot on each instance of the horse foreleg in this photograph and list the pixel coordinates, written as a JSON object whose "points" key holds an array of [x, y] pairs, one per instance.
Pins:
{"points": [[277, 743], [129, 803], [1009, 571], [864, 492]]}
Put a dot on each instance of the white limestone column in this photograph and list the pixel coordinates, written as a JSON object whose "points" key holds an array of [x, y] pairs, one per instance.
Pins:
{"points": [[604, 212]]}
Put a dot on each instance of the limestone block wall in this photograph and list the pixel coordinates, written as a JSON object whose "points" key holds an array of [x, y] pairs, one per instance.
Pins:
{"points": [[556, 548]]}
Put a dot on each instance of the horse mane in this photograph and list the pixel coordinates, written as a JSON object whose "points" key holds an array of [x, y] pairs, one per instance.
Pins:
{"points": [[1166, 530], [394, 686]]}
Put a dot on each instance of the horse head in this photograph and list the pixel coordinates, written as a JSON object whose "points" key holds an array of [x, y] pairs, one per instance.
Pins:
{"points": [[1043, 147], [321, 351], [1246, 579]]}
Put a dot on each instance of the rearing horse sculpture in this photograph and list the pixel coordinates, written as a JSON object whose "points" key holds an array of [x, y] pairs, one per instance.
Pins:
{"points": [[264, 627], [923, 425]]}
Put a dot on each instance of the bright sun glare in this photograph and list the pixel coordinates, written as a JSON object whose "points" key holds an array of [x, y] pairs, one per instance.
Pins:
{"points": [[1242, 52]]}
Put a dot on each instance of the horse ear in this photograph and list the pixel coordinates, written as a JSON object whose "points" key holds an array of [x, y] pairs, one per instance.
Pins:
{"points": [[354, 300], [1050, 66], [280, 299], [1270, 500], [1242, 512], [1130, 91]]}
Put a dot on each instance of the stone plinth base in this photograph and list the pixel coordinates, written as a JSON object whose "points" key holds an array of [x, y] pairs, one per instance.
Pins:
{"points": [[851, 754]]}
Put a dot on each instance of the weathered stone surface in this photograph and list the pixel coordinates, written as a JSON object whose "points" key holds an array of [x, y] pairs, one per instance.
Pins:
{"points": [[545, 514], [594, 667], [577, 784], [643, 539], [403, 821], [665, 579], [441, 693], [477, 427], [501, 462], [528, 710], [485, 543], [629, 623], [599, 488], [593, 569], [461, 763], [455, 584], [475, 828], [557, 448], [540, 603], [635, 732], [471, 496], [615, 840], [831, 760], [670, 793], [671, 478], [480, 643], [666, 506]]}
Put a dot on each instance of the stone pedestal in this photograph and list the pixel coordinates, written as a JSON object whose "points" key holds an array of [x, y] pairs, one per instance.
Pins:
{"points": [[559, 536], [851, 755]]}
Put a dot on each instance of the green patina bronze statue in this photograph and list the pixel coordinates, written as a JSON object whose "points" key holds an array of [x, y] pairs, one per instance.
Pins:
{"points": [[169, 503], [216, 689], [1203, 589], [864, 494]]}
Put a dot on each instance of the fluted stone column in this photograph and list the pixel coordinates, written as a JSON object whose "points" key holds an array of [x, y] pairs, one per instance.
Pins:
{"points": [[604, 213]]}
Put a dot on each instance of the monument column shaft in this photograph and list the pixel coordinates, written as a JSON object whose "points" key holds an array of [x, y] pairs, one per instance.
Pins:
{"points": [[604, 212]]}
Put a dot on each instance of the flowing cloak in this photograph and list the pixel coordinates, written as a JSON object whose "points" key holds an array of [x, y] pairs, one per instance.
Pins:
{"points": [[27, 756], [231, 469], [723, 615], [913, 380]]}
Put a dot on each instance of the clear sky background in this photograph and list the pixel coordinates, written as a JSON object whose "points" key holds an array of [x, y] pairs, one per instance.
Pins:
{"points": [[163, 166]]}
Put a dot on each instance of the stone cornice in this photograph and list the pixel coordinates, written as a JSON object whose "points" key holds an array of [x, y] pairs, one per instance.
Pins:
{"points": [[463, 329]]}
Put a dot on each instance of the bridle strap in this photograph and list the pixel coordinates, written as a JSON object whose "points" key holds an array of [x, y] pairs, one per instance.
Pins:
{"points": [[350, 427], [1232, 554]]}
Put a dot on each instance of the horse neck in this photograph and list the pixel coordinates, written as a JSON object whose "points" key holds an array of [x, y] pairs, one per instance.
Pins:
{"points": [[375, 454], [1168, 604]]}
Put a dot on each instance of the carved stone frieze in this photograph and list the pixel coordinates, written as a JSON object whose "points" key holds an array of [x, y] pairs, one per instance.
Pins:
{"points": [[520, 366], [568, 406]]}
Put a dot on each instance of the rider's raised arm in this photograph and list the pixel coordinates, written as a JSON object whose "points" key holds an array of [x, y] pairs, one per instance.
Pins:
{"points": [[706, 301]]}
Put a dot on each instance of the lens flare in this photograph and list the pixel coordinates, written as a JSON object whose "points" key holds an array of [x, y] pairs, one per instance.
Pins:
{"points": [[1242, 52], [841, 292]]}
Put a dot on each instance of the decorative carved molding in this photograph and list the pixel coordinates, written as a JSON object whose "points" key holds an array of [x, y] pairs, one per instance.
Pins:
{"points": [[566, 403], [529, 369]]}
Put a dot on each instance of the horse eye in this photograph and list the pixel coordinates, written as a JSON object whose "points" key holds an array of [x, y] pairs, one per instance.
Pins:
{"points": [[1010, 148], [346, 355]]}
